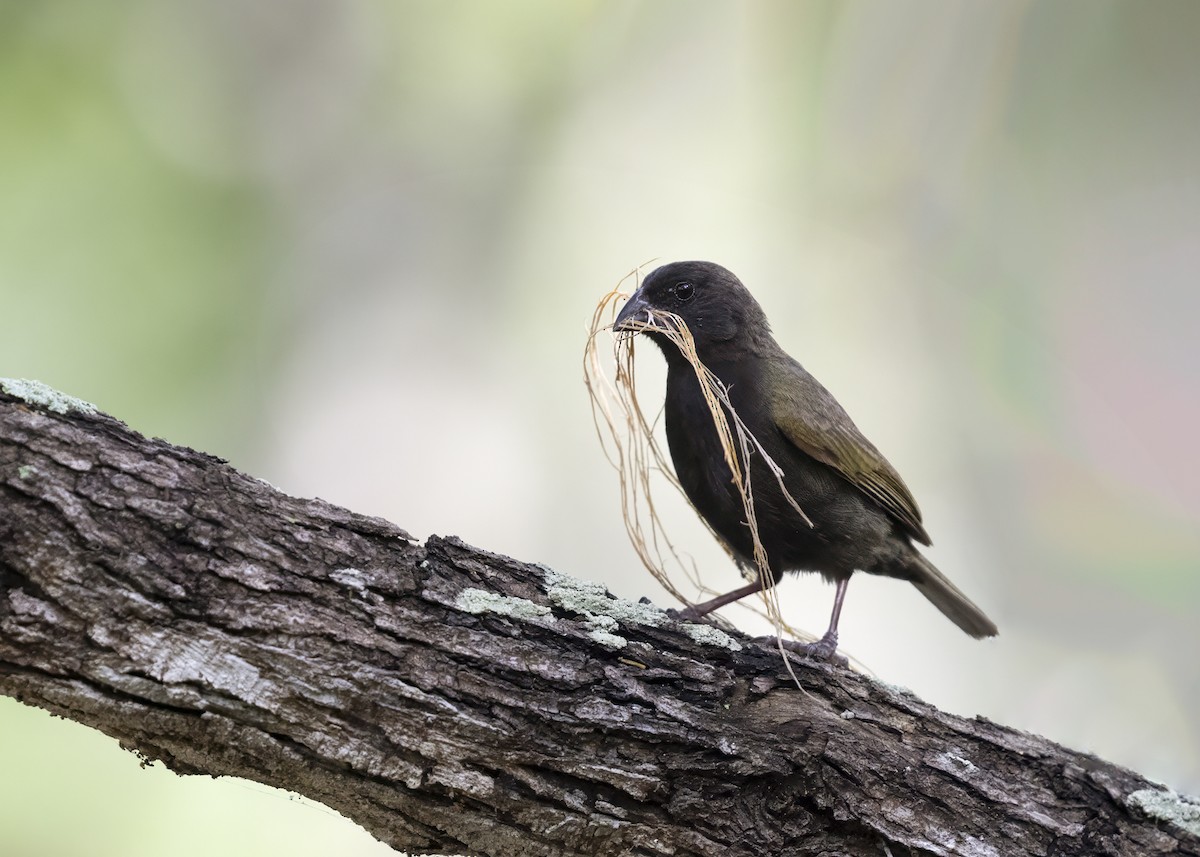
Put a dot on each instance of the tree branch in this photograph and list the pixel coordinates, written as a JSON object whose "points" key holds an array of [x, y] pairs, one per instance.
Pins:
{"points": [[452, 700]]}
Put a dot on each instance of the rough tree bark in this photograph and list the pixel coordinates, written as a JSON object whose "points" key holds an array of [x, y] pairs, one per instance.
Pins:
{"points": [[452, 700]]}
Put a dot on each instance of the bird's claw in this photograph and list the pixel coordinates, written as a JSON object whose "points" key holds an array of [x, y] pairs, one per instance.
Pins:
{"points": [[824, 649]]}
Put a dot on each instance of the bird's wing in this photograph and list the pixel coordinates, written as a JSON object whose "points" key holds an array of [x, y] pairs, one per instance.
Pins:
{"points": [[808, 416]]}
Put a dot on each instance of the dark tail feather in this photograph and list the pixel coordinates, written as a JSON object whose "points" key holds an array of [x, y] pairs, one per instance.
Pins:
{"points": [[947, 597]]}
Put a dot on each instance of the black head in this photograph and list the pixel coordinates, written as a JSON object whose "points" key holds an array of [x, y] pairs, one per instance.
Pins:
{"points": [[714, 304]]}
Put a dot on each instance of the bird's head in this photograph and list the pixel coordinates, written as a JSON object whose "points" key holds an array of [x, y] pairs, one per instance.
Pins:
{"points": [[717, 309]]}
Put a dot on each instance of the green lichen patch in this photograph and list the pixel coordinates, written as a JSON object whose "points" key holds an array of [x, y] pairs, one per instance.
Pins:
{"points": [[897, 689], [593, 601], [613, 641], [708, 635], [1165, 805], [604, 614], [479, 601], [45, 396]]}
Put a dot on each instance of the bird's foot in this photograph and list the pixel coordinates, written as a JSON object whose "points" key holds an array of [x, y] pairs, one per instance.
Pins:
{"points": [[824, 649]]}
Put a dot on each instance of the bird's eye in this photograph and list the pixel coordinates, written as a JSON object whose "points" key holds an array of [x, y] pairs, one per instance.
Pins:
{"points": [[683, 291]]}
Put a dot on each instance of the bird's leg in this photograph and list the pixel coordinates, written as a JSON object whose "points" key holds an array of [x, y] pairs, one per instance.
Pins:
{"points": [[824, 649], [721, 600]]}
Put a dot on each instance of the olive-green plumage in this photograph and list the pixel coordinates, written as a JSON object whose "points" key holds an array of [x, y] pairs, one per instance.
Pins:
{"points": [[863, 517]]}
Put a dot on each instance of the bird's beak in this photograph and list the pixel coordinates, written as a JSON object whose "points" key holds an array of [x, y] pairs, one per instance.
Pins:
{"points": [[635, 309]]}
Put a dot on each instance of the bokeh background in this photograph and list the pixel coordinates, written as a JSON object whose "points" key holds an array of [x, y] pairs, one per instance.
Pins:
{"points": [[353, 246]]}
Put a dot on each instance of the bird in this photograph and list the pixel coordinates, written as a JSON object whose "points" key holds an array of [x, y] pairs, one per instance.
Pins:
{"points": [[858, 514]]}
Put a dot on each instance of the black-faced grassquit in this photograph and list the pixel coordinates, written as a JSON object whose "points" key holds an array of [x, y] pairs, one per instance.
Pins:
{"points": [[861, 515]]}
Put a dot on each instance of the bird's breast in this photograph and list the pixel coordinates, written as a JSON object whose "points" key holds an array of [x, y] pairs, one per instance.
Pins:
{"points": [[699, 456]]}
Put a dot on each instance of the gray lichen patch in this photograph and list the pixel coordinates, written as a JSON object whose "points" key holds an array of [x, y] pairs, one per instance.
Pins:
{"points": [[602, 612], [1181, 810], [45, 396], [605, 614], [612, 641], [897, 689], [709, 635], [593, 601], [479, 601]]}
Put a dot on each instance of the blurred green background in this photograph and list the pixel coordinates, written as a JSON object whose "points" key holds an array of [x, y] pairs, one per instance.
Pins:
{"points": [[353, 247]]}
